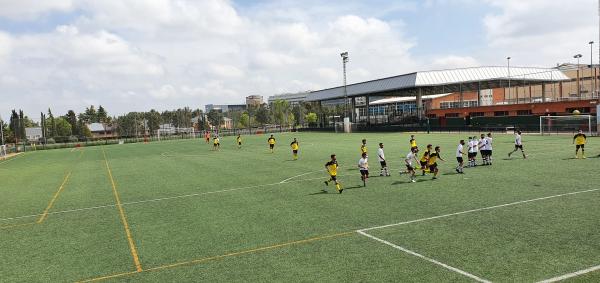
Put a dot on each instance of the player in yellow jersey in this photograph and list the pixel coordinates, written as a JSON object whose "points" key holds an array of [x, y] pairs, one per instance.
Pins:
{"points": [[271, 142], [295, 146], [579, 140], [239, 141], [216, 143], [332, 167], [413, 142], [425, 158], [432, 162], [363, 147]]}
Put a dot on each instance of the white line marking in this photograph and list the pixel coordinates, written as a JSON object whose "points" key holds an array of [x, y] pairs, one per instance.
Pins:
{"points": [[300, 175], [462, 272], [478, 209], [12, 158], [162, 199], [571, 275]]}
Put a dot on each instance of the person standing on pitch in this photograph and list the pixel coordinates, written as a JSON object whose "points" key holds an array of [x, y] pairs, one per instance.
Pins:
{"points": [[412, 141], [410, 157], [363, 166], [271, 142], [207, 136], [488, 144], [295, 146], [432, 162], [425, 159], [472, 151], [518, 145], [459, 156], [363, 147], [332, 167], [579, 140], [381, 157], [482, 144], [216, 143]]}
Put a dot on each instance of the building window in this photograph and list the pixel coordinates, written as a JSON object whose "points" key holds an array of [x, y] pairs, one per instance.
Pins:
{"points": [[501, 113], [451, 115], [523, 112], [456, 104], [476, 114], [431, 116]]}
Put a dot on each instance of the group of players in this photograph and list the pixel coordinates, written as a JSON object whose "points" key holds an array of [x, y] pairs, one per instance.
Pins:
{"points": [[428, 161]]}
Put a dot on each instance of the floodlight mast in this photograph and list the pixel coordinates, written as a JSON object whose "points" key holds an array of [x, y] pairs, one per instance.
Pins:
{"points": [[593, 82], [345, 59], [578, 56]]}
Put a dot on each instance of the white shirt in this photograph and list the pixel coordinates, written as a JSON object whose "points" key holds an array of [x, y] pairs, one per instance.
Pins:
{"points": [[459, 150], [409, 158], [363, 164], [380, 154], [482, 144], [472, 146], [518, 140], [488, 143]]}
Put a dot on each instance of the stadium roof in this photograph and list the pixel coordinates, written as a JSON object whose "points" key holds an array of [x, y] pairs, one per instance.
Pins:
{"points": [[444, 81], [405, 99]]}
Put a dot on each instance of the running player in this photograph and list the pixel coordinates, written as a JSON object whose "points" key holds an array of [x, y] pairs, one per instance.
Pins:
{"points": [[295, 146], [239, 141], [271, 142], [518, 145], [579, 140], [363, 166], [331, 168], [432, 162], [207, 136], [216, 143], [459, 156], [363, 147], [425, 159], [412, 141], [412, 155], [381, 157]]}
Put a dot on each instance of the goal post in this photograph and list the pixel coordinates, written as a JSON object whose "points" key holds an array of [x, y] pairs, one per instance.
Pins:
{"points": [[567, 124]]}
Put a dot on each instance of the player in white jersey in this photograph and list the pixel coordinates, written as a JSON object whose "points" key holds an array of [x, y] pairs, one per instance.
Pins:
{"points": [[459, 156], [472, 151], [489, 148], [363, 166], [410, 157], [518, 145], [482, 144], [381, 157]]}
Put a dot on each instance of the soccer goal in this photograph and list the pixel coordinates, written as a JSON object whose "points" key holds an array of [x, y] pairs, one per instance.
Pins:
{"points": [[3, 151], [567, 124]]}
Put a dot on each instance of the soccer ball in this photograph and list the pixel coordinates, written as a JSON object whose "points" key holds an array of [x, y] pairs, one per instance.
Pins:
{"points": [[576, 112]]}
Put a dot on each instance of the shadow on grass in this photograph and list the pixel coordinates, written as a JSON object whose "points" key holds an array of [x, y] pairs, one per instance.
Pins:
{"points": [[333, 192], [409, 182]]}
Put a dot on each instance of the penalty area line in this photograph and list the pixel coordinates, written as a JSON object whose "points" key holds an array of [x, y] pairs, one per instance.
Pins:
{"points": [[571, 275]]}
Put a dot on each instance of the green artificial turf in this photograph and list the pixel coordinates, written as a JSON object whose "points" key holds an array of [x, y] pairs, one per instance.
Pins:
{"points": [[248, 215]]}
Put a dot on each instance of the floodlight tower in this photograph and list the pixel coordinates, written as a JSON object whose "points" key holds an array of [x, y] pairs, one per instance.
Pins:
{"points": [[578, 56], [345, 59], [592, 69]]}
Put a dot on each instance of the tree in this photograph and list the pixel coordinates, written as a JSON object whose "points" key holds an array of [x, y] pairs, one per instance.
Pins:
{"points": [[6, 132], [245, 120], [215, 117], [153, 119], [311, 118], [101, 115], [50, 124], [71, 117], [14, 126], [63, 127], [262, 115]]}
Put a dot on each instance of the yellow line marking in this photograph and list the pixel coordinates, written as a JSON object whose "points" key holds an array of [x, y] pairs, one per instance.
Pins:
{"points": [[134, 253], [51, 203], [206, 259], [16, 225]]}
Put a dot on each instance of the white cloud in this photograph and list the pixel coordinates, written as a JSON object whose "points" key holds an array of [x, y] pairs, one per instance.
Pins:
{"points": [[452, 61]]}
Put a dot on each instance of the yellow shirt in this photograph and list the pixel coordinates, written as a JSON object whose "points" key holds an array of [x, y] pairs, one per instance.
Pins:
{"points": [[363, 149], [425, 156], [216, 141], [239, 139], [433, 158], [294, 146], [413, 143], [271, 140], [332, 167], [579, 139]]}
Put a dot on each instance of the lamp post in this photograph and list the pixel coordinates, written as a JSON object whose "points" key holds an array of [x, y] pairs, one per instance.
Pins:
{"points": [[508, 65], [345, 60], [578, 56], [592, 69], [1, 131]]}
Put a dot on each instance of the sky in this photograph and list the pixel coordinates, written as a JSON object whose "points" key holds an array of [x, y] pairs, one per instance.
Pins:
{"points": [[137, 55]]}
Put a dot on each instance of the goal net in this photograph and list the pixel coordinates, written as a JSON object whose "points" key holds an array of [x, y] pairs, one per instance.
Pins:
{"points": [[567, 124], [172, 131], [3, 151]]}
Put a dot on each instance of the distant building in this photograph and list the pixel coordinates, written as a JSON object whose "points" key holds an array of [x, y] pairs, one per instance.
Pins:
{"points": [[254, 100], [100, 130], [33, 134], [224, 107], [292, 98]]}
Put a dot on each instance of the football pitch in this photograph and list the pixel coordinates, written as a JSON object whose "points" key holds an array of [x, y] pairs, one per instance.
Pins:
{"points": [[176, 211]]}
